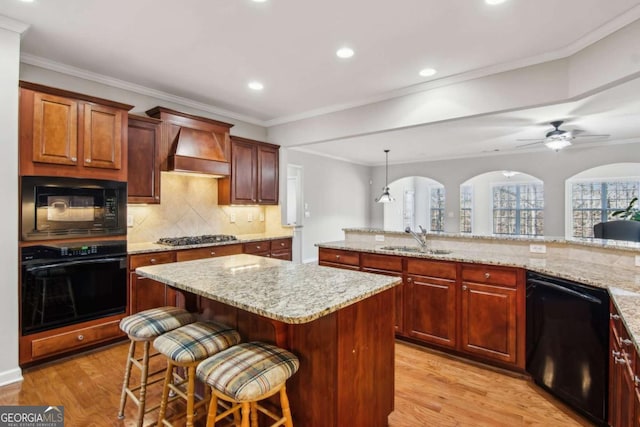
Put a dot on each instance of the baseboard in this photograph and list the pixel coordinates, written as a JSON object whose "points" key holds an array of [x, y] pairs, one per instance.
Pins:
{"points": [[10, 376]]}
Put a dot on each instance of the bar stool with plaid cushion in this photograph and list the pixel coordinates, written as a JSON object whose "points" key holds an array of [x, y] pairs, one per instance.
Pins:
{"points": [[245, 374], [186, 347], [144, 327]]}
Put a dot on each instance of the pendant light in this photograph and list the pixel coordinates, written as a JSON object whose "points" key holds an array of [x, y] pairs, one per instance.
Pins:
{"points": [[385, 197]]}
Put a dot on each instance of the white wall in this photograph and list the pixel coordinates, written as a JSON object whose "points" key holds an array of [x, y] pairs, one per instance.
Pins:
{"points": [[336, 195], [9, 263], [553, 168]]}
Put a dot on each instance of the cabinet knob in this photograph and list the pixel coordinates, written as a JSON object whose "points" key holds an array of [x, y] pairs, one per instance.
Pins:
{"points": [[258, 247], [157, 197], [73, 159], [80, 337], [487, 275], [614, 316], [281, 244], [409, 279], [213, 253], [464, 287], [337, 256], [152, 261], [87, 160]]}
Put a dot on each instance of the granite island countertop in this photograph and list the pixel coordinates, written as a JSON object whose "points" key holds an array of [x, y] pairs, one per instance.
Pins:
{"points": [[276, 289]]}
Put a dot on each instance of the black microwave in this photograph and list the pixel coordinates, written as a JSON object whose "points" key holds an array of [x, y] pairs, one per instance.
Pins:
{"points": [[61, 207]]}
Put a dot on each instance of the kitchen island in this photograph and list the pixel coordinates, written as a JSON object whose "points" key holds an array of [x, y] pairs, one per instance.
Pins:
{"points": [[339, 323]]}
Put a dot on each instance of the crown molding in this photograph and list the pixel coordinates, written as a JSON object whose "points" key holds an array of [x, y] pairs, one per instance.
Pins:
{"points": [[13, 25], [132, 87]]}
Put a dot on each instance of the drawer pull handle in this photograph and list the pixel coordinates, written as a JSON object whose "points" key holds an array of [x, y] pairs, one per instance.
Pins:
{"points": [[80, 337], [614, 316], [487, 275], [626, 341]]}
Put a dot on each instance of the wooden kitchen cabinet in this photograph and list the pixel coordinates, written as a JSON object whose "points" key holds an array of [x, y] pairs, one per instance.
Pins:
{"points": [[276, 248], [281, 249], [254, 174], [145, 293], [64, 133], [489, 312], [339, 258], [623, 391], [143, 147], [390, 266], [431, 302]]}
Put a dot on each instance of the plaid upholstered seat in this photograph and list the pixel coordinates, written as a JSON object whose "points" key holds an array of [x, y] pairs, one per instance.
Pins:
{"points": [[196, 341], [156, 321], [248, 370]]}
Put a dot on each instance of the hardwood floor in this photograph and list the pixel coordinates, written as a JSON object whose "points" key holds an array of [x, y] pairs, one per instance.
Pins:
{"points": [[432, 389]]}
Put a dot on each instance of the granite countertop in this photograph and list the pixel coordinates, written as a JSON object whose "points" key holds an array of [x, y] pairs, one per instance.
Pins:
{"points": [[276, 289], [150, 247], [623, 283]]}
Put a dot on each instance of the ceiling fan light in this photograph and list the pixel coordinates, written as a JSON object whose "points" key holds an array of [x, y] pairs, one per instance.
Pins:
{"points": [[557, 143]]}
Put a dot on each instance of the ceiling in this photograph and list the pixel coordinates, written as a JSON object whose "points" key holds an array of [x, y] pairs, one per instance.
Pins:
{"points": [[208, 50]]}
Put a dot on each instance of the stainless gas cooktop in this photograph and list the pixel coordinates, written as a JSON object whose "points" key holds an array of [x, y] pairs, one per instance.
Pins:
{"points": [[195, 240]]}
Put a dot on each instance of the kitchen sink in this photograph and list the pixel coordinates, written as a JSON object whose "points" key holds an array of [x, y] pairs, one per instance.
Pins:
{"points": [[415, 249]]}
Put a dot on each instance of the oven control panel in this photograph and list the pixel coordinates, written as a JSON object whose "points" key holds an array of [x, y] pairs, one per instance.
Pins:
{"points": [[74, 250]]}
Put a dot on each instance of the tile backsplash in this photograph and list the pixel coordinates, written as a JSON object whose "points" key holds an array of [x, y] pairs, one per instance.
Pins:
{"points": [[189, 207]]}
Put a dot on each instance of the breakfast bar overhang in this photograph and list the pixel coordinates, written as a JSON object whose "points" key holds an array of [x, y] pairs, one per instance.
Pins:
{"points": [[339, 323]]}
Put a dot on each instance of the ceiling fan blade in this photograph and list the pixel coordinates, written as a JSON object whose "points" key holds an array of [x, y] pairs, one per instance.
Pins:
{"points": [[531, 139], [529, 144], [593, 136]]}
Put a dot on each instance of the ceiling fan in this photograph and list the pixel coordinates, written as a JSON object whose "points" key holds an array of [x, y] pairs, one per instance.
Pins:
{"points": [[557, 139]]}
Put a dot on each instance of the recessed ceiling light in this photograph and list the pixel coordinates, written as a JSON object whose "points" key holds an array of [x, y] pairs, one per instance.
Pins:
{"points": [[254, 85], [494, 1], [344, 52], [427, 72], [28, 1], [259, 1]]}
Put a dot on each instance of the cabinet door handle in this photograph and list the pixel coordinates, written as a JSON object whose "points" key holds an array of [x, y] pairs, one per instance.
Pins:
{"points": [[464, 287], [80, 337], [487, 275], [614, 316]]}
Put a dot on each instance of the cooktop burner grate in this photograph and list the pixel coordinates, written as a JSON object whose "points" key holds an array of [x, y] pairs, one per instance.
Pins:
{"points": [[195, 240]]}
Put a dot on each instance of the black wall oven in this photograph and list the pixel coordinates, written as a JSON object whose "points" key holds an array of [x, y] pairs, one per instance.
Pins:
{"points": [[68, 283], [61, 208]]}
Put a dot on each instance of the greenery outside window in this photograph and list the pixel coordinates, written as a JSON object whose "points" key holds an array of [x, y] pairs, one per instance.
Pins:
{"points": [[594, 201], [518, 209]]}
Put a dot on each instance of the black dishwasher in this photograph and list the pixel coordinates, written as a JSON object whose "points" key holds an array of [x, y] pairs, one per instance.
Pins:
{"points": [[568, 342]]}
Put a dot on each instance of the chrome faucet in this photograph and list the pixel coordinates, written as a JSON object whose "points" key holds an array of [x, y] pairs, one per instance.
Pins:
{"points": [[420, 238]]}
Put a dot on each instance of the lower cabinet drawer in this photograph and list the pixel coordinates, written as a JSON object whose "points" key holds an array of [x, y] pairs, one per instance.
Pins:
{"points": [[75, 339], [336, 256], [257, 248]]}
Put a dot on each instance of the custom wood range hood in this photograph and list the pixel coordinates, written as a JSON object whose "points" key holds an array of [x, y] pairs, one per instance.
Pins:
{"points": [[193, 144]]}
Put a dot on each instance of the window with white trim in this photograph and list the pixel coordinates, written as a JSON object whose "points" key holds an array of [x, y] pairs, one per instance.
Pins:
{"points": [[518, 209], [466, 208], [436, 207], [594, 201]]}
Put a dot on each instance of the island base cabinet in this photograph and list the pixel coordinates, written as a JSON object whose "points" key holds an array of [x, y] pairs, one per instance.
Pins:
{"points": [[346, 374], [488, 321]]}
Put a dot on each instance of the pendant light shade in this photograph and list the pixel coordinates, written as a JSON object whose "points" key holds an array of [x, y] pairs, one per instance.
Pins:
{"points": [[385, 197]]}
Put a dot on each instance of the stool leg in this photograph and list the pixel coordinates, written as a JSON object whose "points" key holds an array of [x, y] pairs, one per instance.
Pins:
{"points": [[254, 414], [143, 382], [213, 410], [165, 392], [284, 403], [191, 391], [127, 375], [246, 414]]}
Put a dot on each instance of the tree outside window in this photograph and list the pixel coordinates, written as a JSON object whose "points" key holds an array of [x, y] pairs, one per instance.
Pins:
{"points": [[594, 201], [518, 209], [466, 206], [437, 209]]}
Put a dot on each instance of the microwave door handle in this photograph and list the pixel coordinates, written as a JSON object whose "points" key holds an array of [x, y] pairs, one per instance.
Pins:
{"points": [[565, 290], [72, 263]]}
